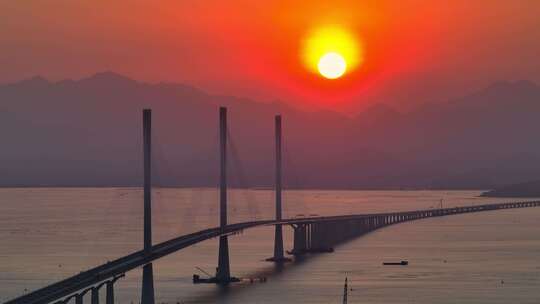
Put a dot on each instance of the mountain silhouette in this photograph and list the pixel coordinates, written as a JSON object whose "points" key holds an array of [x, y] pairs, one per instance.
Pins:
{"points": [[87, 132]]}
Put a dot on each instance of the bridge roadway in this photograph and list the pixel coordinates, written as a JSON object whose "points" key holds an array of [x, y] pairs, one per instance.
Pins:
{"points": [[137, 259]]}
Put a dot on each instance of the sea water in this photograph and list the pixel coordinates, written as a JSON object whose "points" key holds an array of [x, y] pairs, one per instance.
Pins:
{"points": [[48, 234]]}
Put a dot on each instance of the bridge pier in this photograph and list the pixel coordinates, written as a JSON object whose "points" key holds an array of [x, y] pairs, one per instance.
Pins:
{"points": [[366, 223], [299, 239], [109, 299], [316, 241], [223, 272], [324, 234], [147, 293], [80, 296], [94, 295]]}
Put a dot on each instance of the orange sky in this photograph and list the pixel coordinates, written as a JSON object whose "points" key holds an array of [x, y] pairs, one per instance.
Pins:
{"points": [[414, 51]]}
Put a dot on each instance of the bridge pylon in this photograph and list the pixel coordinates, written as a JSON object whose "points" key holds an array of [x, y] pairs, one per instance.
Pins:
{"points": [[147, 290], [223, 271], [278, 257]]}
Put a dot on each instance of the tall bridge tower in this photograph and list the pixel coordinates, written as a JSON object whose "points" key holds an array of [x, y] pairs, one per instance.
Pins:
{"points": [[223, 273], [147, 292], [278, 257]]}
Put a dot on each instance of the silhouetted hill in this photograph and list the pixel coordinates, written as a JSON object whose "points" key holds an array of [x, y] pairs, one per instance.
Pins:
{"points": [[88, 132]]}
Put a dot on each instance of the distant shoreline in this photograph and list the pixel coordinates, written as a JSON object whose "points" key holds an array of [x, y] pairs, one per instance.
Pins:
{"points": [[522, 190]]}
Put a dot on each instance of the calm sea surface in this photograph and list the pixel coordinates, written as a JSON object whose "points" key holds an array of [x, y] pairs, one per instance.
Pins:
{"points": [[47, 234]]}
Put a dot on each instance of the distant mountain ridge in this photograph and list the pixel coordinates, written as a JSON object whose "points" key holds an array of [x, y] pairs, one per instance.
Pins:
{"points": [[88, 133]]}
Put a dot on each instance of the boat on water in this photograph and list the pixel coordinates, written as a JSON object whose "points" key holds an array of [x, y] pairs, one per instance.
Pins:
{"points": [[401, 263]]}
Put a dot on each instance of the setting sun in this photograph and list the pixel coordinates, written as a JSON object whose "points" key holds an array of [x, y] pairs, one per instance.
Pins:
{"points": [[332, 65], [331, 51]]}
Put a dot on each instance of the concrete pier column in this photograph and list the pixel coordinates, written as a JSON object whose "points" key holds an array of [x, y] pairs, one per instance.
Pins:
{"points": [[79, 299], [351, 229], [223, 271], [299, 243], [95, 295], [109, 299], [314, 236], [147, 293], [309, 236], [331, 234]]}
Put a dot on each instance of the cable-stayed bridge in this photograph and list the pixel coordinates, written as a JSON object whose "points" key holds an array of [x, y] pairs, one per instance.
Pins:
{"points": [[311, 234]]}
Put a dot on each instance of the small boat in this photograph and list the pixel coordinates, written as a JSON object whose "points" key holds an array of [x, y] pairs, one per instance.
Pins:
{"points": [[213, 280], [402, 263]]}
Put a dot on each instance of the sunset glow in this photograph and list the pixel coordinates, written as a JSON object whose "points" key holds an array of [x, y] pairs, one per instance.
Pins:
{"points": [[403, 55], [331, 51]]}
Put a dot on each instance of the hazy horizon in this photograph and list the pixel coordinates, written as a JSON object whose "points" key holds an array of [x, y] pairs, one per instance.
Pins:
{"points": [[73, 127]]}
